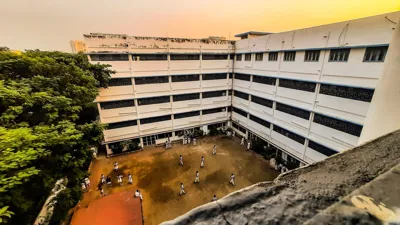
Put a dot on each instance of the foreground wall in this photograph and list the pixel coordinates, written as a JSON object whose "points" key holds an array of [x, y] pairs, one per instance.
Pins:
{"points": [[297, 196]]}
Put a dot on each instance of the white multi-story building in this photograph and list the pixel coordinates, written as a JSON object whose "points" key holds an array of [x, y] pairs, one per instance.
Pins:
{"points": [[306, 92]]}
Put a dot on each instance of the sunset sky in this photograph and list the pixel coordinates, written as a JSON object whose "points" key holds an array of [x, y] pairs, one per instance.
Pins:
{"points": [[51, 24]]}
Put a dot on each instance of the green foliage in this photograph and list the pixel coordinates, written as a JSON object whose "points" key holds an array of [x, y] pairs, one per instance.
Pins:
{"points": [[47, 126], [128, 145], [214, 132]]}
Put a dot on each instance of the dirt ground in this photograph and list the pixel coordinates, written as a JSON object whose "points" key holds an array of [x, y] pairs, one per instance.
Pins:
{"points": [[157, 174]]}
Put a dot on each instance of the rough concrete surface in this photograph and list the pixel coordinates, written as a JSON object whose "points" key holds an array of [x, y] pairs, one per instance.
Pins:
{"points": [[299, 195]]}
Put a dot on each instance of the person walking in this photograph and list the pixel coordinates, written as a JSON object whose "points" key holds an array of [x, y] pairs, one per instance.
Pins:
{"points": [[108, 181], [197, 179], [182, 190], [119, 178], [102, 192], [115, 167], [194, 141], [202, 162], [242, 142], [138, 195], [130, 181], [102, 179], [232, 181], [181, 160], [248, 145], [214, 198], [233, 133], [87, 182], [214, 150]]}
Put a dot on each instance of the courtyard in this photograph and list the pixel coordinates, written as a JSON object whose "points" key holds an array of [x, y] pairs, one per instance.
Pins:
{"points": [[157, 174]]}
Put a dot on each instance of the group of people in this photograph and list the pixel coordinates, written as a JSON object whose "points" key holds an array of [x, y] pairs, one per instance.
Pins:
{"points": [[197, 175], [107, 180], [242, 142], [187, 139]]}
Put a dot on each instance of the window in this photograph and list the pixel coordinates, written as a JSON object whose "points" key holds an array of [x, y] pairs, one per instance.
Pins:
{"points": [[151, 80], [241, 95], [272, 56], [259, 56], [297, 85], [164, 135], [185, 97], [231, 56], [213, 94], [120, 82], [230, 92], [321, 149], [121, 124], [289, 134], [155, 119], [375, 54], [260, 121], [185, 78], [358, 94], [184, 57], [293, 111], [231, 76], [109, 57], [215, 57], [212, 111], [153, 100], [239, 57], [262, 101], [312, 56], [241, 76], [247, 57], [339, 55], [289, 56], [149, 57], [214, 76], [347, 127], [117, 104], [238, 127], [186, 114], [264, 80], [229, 108], [239, 111]]}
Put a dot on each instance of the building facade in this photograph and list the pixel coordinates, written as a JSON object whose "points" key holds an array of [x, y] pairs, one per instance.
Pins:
{"points": [[306, 92], [77, 46]]}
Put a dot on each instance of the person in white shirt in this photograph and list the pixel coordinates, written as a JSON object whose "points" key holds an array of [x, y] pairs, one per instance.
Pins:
{"points": [[197, 179], [116, 167], [232, 181], [194, 141], [83, 185], [103, 179], [181, 160], [130, 181], [214, 150], [188, 140], [242, 142], [138, 195], [87, 182], [248, 145], [233, 133], [182, 190], [202, 162], [119, 178], [102, 192], [214, 198]]}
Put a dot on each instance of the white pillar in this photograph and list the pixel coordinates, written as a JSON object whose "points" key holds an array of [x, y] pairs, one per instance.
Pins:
{"points": [[384, 112]]}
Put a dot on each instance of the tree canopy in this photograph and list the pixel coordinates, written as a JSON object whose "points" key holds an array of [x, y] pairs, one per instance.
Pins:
{"points": [[47, 126]]}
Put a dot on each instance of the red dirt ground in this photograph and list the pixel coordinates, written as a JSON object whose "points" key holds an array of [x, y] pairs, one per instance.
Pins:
{"points": [[120, 208]]}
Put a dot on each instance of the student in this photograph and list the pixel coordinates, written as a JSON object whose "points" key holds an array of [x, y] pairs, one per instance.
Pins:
{"points": [[138, 195], [214, 150], [214, 198], [233, 133], [115, 167], [83, 185], [182, 190], [130, 181], [194, 141], [108, 181], [232, 181], [202, 162], [181, 160], [248, 145], [197, 179], [102, 192], [87, 182], [242, 142], [103, 179], [189, 140], [119, 178]]}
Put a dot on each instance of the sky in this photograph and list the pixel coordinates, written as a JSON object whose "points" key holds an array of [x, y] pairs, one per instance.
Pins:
{"points": [[51, 24]]}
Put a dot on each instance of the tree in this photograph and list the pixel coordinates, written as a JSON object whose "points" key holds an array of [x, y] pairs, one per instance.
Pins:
{"points": [[47, 126]]}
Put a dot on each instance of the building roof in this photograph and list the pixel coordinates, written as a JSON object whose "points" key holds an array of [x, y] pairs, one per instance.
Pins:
{"points": [[252, 32]]}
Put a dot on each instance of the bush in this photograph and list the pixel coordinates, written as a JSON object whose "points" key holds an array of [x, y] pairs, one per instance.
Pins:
{"points": [[117, 148], [213, 132], [133, 145]]}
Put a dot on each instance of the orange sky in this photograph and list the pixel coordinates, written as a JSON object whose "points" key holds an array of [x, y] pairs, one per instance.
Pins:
{"points": [[50, 25]]}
